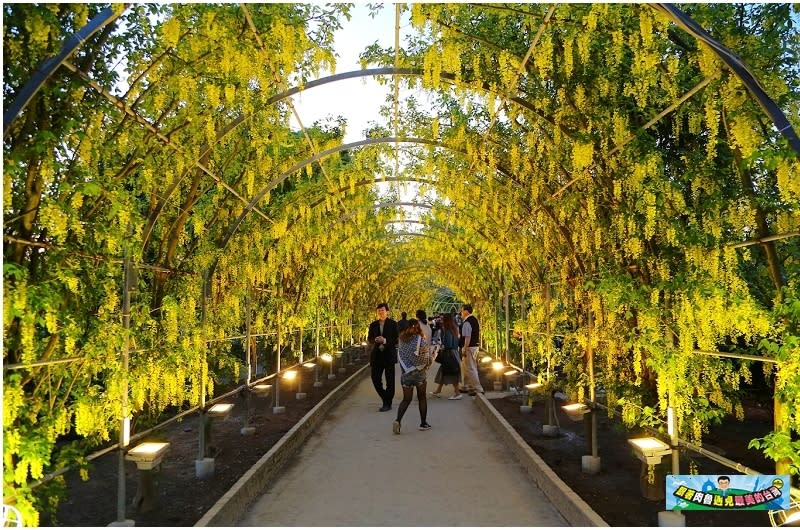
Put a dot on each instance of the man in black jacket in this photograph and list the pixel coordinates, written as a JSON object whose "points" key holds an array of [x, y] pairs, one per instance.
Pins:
{"points": [[383, 338]]}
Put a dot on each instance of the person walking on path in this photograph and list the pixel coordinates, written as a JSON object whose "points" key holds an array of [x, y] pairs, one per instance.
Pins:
{"points": [[427, 332], [414, 356], [383, 337], [403, 322], [449, 359], [469, 341]]}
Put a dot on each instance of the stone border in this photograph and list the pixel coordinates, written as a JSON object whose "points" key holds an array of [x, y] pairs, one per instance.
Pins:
{"points": [[574, 509], [232, 506]]}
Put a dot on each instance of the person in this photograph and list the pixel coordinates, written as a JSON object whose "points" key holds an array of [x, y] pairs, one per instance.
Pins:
{"points": [[383, 337], [448, 358], [403, 322], [414, 356], [427, 332], [469, 342]]}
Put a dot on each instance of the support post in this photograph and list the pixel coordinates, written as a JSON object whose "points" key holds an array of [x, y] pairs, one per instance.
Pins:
{"points": [[317, 382], [278, 409], [124, 431], [591, 463], [507, 304], [203, 466]]}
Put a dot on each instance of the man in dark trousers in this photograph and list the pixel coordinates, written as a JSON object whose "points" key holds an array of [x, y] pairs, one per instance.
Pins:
{"points": [[383, 338]]}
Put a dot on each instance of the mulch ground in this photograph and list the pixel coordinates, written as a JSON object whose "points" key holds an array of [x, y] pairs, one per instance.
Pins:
{"points": [[615, 493]]}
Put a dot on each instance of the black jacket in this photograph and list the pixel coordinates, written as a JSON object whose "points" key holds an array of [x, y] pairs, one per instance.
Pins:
{"points": [[388, 355]]}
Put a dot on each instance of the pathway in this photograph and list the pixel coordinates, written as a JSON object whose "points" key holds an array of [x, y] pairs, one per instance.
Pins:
{"points": [[355, 472]]}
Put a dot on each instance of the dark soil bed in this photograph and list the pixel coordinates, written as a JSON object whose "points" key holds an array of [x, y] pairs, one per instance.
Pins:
{"points": [[616, 493], [182, 499]]}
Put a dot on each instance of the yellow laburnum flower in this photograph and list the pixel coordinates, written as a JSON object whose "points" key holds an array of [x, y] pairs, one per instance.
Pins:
{"points": [[582, 155], [788, 176], [744, 136], [171, 31]]}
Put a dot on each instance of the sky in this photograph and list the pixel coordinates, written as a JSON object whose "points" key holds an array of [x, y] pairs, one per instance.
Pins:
{"points": [[358, 100]]}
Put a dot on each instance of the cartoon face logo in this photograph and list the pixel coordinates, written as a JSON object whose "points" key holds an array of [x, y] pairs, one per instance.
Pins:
{"points": [[778, 483]]}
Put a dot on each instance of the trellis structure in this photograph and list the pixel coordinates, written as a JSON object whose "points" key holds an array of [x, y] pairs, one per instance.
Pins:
{"points": [[614, 164]]}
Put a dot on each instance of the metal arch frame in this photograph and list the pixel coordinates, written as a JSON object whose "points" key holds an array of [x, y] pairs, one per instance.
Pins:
{"points": [[739, 68], [319, 156], [47, 68], [71, 44]]}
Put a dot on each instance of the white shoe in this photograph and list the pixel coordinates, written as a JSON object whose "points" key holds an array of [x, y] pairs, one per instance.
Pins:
{"points": [[456, 396]]}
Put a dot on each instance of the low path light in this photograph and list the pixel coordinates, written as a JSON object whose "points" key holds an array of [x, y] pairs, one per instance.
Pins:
{"points": [[328, 358], [288, 375], [530, 388], [147, 456], [498, 367], [509, 375], [650, 450], [575, 411], [300, 394], [340, 354]]}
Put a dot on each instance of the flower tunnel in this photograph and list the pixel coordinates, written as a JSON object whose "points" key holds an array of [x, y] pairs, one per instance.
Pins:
{"points": [[624, 176]]}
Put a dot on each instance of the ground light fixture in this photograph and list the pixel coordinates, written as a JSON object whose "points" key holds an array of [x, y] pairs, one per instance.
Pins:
{"points": [[787, 517], [498, 366], [147, 455], [509, 375], [528, 405], [220, 410], [650, 450], [262, 389], [486, 359], [575, 411], [300, 394], [328, 358], [342, 369]]}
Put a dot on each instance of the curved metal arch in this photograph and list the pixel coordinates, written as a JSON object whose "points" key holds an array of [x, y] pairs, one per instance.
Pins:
{"points": [[48, 67], [321, 155], [739, 68]]}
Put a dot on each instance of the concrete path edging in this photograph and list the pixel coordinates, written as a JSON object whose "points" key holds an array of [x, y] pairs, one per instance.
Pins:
{"points": [[574, 509], [230, 507]]}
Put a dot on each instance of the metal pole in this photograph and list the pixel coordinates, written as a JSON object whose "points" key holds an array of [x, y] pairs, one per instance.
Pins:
{"points": [[523, 308], [317, 382], [300, 367], [496, 331], [202, 420], [508, 323], [672, 427], [590, 362], [248, 353], [278, 362], [125, 423]]}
